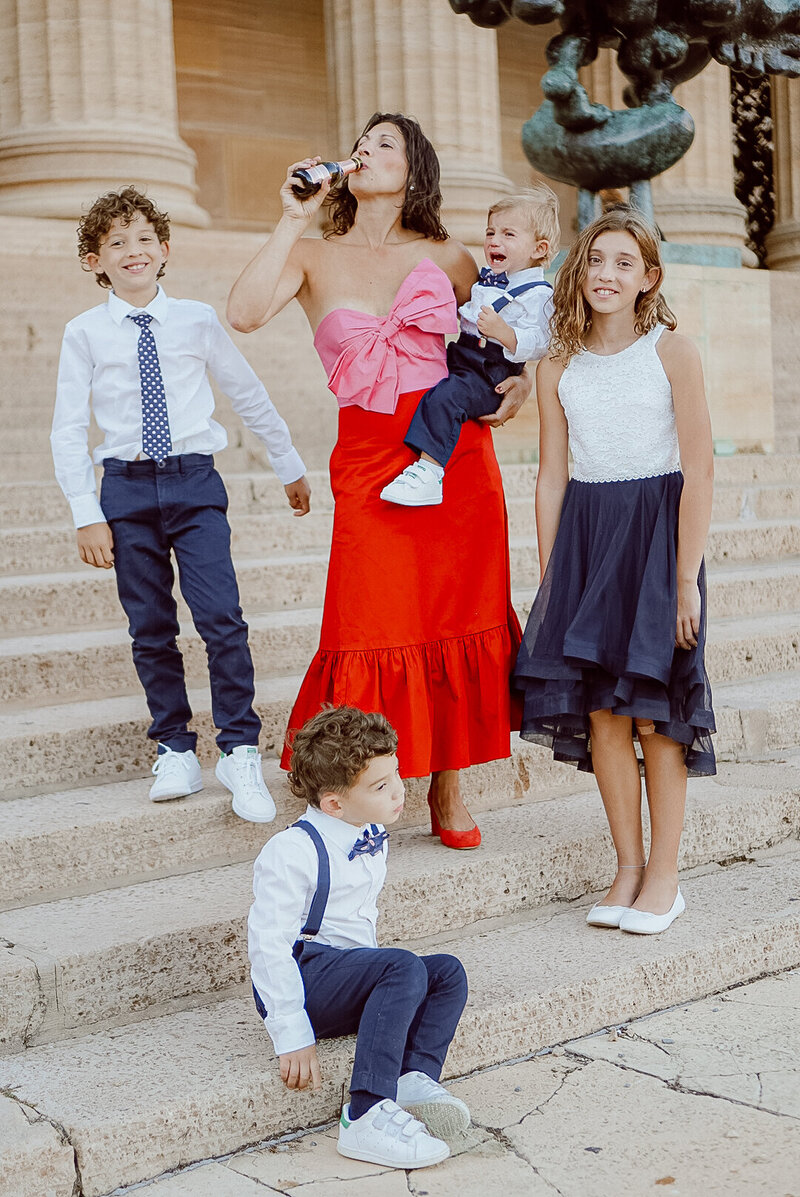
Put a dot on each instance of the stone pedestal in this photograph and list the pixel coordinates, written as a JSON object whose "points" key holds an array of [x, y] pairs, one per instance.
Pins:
{"points": [[419, 58], [783, 243], [694, 200], [89, 105]]}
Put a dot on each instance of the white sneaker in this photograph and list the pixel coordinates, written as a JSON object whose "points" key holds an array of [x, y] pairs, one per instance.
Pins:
{"points": [[178, 774], [388, 1135], [240, 771], [417, 486], [444, 1115]]}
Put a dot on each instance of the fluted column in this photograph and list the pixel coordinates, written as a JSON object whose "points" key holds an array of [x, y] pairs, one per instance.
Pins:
{"points": [[89, 103], [421, 59], [694, 200], [783, 243]]}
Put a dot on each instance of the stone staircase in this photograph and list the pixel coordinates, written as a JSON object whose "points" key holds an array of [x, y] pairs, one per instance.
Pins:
{"points": [[129, 1044]]}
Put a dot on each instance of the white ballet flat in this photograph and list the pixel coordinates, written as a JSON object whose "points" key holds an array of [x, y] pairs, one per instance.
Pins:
{"points": [[641, 922], [606, 916]]}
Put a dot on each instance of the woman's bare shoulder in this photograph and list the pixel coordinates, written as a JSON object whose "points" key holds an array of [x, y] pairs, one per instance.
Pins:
{"points": [[457, 263]]}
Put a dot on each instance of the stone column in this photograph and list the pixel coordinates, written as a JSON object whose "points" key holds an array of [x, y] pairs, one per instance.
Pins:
{"points": [[421, 59], [783, 243], [694, 200], [89, 103]]}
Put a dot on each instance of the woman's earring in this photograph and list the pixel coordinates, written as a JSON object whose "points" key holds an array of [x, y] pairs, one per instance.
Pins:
{"points": [[411, 187]]}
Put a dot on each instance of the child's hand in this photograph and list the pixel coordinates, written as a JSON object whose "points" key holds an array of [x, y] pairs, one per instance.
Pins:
{"points": [[300, 1069], [96, 545], [688, 624], [491, 323], [299, 495]]}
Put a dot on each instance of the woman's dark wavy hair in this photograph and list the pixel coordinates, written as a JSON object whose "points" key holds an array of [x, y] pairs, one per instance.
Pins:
{"points": [[423, 198]]}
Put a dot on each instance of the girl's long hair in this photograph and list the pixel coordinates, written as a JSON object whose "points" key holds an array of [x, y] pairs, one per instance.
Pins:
{"points": [[572, 315], [423, 198]]}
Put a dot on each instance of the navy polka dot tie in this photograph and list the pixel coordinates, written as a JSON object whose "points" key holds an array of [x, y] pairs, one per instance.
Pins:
{"points": [[156, 440]]}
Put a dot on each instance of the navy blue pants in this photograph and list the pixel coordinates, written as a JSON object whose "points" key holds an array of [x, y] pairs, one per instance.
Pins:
{"points": [[180, 507], [405, 1009], [466, 393]]}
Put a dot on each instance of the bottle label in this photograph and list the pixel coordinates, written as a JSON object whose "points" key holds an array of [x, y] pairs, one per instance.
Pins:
{"points": [[316, 174]]}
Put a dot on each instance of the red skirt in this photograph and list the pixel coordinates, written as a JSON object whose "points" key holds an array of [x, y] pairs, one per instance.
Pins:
{"points": [[418, 622]]}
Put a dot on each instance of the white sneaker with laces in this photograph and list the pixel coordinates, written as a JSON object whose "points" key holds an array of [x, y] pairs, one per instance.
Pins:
{"points": [[388, 1135], [444, 1115], [417, 486], [240, 771], [178, 774]]}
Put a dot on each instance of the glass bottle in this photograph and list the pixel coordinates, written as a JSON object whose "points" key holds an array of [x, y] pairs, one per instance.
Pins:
{"points": [[311, 178]]}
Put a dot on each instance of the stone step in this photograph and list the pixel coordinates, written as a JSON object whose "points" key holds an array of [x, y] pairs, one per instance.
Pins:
{"points": [[50, 747], [87, 596], [109, 957], [79, 841], [47, 601], [85, 743], [51, 547], [26, 504], [30, 462], [772, 480], [139, 949], [62, 666], [759, 716], [135, 1101]]}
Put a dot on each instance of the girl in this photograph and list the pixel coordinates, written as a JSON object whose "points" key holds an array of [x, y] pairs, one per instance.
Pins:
{"points": [[613, 649]]}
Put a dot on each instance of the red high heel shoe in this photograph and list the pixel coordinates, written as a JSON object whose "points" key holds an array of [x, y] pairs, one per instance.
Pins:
{"points": [[451, 838]]}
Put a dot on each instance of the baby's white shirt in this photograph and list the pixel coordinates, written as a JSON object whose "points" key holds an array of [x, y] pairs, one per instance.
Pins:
{"points": [[528, 314]]}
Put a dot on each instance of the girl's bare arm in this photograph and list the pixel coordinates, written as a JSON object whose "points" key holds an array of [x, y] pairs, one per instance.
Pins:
{"points": [[684, 370], [553, 476]]}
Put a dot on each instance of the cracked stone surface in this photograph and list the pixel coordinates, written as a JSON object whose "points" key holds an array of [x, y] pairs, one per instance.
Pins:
{"points": [[702, 1098], [35, 1159], [741, 1045]]}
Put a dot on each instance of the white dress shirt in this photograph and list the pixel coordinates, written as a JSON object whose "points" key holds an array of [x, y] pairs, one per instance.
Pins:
{"points": [[528, 314], [99, 371], [284, 883]]}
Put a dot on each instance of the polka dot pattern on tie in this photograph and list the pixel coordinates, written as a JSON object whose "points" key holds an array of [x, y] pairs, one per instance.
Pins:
{"points": [[156, 439]]}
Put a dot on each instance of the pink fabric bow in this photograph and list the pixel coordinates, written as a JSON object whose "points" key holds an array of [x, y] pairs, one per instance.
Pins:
{"points": [[366, 372]]}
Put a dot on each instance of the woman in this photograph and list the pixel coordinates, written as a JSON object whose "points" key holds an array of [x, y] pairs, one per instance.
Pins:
{"points": [[417, 620]]}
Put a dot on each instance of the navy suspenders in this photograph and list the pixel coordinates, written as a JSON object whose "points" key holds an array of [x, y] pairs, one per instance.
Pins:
{"points": [[316, 911], [513, 292]]}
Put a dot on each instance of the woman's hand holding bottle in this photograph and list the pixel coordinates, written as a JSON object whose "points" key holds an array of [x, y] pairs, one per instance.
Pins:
{"points": [[295, 208]]}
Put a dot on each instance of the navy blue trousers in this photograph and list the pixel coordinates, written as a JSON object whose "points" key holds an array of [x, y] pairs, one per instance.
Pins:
{"points": [[405, 1009], [180, 507], [466, 393]]}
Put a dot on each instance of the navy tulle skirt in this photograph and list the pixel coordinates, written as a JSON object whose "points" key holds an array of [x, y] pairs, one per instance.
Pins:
{"points": [[601, 633]]}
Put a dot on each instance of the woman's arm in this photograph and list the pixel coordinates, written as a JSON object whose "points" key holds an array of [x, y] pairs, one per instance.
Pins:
{"points": [[553, 475], [684, 370], [277, 273]]}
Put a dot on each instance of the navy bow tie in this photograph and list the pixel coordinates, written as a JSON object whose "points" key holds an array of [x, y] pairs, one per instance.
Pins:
{"points": [[488, 279], [371, 841]]}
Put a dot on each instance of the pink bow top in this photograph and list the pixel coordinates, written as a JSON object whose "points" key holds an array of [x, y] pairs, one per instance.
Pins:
{"points": [[371, 360]]}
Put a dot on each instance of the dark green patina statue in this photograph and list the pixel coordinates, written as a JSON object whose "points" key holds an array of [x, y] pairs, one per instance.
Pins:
{"points": [[659, 44]]}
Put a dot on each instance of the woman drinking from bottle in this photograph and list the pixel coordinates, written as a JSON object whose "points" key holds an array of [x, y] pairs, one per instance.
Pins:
{"points": [[417, 621]]}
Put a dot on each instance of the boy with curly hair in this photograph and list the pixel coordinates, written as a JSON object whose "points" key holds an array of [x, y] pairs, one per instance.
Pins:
{"points": [[138, 362], [316, 966]]}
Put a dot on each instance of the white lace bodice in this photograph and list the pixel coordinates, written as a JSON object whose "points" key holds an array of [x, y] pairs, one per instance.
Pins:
{"points": [[620, 413]]}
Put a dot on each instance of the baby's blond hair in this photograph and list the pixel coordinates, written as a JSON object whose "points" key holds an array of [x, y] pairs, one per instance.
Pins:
{"points": [[539, 205]]}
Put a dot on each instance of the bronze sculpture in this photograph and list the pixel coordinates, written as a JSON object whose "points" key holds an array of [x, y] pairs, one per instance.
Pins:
{"points": [[659, 44]]}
